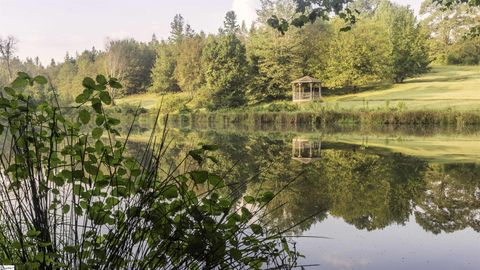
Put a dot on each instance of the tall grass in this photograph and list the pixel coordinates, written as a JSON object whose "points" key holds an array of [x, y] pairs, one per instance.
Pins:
{"points": [[330, 117]]}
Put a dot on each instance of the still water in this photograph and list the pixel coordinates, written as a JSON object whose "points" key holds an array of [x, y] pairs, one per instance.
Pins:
{"points": [[360, 198]]}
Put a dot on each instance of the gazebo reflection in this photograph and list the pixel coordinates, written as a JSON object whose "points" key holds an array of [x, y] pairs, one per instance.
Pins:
{"points": [[306, 150]]}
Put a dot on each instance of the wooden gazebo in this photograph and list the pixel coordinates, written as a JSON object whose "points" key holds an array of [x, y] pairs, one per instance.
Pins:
{"points": [[306, 89], [305, 150]]}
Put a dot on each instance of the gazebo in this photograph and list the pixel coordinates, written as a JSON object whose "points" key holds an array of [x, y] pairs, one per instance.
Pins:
{"points": [[305, 150], [306, 89]]}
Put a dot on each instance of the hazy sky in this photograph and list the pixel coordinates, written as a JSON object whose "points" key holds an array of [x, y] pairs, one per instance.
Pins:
{"points": [[50, 28]]}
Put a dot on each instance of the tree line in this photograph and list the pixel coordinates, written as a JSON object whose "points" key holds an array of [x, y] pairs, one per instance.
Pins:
{"points": [[249, 64]]}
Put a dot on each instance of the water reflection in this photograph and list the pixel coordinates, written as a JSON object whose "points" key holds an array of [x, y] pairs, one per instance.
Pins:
{"points": [[306, 150], [374, 189], [368, 187]]}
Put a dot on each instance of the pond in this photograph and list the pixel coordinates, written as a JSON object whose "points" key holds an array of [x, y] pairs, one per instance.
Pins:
{"points": [[359, 198]]}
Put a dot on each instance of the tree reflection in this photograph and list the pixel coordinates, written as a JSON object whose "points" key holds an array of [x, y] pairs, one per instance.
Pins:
{"points": [[368, 188], [452, 201]]}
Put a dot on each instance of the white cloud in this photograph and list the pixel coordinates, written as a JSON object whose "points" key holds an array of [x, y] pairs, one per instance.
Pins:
{"points": [[246, 10]]}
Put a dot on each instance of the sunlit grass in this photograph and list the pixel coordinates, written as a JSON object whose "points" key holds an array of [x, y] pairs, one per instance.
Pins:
{"points": [[445, 87], [455, 87]]}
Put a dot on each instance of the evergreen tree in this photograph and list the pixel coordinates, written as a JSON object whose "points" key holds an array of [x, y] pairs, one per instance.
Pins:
{"points": [[177, 28], [225, 71], [164, 68], [189, 72], [230, 24]]}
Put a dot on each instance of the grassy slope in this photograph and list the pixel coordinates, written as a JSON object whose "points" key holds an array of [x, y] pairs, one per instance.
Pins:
{"points": [[456, 87], [148, 101]]}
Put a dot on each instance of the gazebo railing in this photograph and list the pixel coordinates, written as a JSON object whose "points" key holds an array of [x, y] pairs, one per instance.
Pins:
{"points": [[306, 95]]}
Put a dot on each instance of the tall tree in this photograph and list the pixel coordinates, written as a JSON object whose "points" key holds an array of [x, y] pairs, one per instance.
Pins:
{"points": [[407, 40], [360, 56], [163, 72], [230, 23], [276, 61], [189, 72], [130, 62], [225, 71], [177, 28]]}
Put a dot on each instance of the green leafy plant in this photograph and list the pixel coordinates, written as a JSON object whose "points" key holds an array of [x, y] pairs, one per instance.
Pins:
{"points": [[71, 198]]}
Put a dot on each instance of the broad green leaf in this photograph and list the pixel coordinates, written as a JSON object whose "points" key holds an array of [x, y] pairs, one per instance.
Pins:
{"points": [[91, 169], [171, 192], [113, 121], [84, 116], [20, 82], [215, 180], [97, 132], [70, 249], [100, 120], [23, 75], [97, 105], [115, 84], [101, 79], [81, 98], [40, 80], [65, 208], [105, 97], [88, 83], [249, 199], [10, 91], [199, 177], [257, 229], [267, 196], [111, 201], [33, 233]]}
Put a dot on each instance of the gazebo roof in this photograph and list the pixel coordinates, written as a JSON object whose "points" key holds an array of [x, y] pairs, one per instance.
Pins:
{"points": [[307, 79]]}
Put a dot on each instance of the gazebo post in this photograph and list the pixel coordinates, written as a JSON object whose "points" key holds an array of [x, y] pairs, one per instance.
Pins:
{"points": [[300, 91], [311, 91]]}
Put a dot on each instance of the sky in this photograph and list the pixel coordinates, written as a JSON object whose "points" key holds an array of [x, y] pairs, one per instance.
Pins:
{"points": [[50, 28]]}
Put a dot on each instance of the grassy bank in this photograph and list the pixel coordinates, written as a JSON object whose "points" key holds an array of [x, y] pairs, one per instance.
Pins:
{"points": [[445, 87], [329, 117], [448, 95]]}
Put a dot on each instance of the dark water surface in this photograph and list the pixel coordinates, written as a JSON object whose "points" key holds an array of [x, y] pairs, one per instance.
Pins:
{"points": [[384, 199]]}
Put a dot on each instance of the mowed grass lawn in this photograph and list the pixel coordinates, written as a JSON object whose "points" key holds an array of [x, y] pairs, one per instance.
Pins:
{"points": [[456, 87]]}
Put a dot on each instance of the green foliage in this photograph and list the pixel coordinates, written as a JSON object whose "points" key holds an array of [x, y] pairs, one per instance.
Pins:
{"points": [[449, 23], [276, 60], [76, 200], [130, 62], [162, 72], [407, 40], [225, 71], [359, 57], [465, 53], [230, 23], [386, 45], [189, 70], [308, 11]]}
